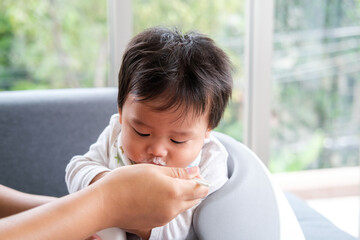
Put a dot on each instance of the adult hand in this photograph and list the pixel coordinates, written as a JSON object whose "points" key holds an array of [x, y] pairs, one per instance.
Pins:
{"points": [[146, 196], [132, 197]]}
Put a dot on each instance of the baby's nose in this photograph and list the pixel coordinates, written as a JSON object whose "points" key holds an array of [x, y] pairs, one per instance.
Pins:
{"points": [[157, 149]]}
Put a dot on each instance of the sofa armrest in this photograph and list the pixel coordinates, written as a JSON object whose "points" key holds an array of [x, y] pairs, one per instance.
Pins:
{"points": [[314, 225], [41, 130]]}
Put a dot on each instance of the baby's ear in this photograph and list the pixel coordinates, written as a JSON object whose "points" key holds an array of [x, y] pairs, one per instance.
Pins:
{"points": [[120, 115], [207, 133]]}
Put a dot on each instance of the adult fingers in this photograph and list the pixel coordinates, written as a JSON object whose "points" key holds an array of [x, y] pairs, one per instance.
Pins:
{"points": [[190, 190], [184, 173], [94, 237]]}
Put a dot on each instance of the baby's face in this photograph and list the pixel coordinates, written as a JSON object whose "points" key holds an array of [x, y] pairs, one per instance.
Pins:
{"points": [[163, 138]]}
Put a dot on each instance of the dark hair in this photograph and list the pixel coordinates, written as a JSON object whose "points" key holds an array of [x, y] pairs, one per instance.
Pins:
{"points": [[187, 71]]}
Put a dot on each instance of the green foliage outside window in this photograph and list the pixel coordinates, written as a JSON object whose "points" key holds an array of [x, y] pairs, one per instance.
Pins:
{"points": [[316, 115], [52, 44]]}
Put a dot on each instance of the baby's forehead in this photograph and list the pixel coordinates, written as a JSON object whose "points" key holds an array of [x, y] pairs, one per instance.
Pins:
{"points": [[182, 113], [180, 110]]}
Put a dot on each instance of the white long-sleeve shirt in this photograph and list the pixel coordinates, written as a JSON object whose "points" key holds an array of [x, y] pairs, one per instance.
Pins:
{"points": [[106, 154]]}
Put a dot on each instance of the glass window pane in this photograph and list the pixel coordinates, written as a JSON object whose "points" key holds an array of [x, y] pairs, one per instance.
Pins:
{"points": [[223, 21], [53, 44], [316, 109]]}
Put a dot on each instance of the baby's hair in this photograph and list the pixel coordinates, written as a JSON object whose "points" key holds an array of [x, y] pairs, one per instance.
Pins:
{"points": [[186, 71]]}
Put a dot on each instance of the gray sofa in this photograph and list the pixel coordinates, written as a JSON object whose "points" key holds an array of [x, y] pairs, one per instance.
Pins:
{"points": [[41, 130]]}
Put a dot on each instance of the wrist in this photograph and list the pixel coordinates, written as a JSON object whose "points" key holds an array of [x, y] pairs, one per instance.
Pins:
{"points": [[97, 208], [109, 201]]}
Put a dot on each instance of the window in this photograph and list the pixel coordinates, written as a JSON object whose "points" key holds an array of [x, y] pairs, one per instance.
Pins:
{"points": [[316, 107], [315, 116]]}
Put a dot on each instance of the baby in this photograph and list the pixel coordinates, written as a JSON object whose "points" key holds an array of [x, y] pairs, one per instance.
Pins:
{"points": [[173, 90]]}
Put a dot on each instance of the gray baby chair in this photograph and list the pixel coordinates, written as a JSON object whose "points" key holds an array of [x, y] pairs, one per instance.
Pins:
{"points": [[246, 206]]}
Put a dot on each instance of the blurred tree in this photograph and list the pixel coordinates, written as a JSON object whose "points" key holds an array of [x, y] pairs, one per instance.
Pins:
{"points": [[55, 43]]}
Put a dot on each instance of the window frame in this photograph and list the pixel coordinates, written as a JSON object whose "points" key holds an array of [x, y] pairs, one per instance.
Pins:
{"points": [[258, 76], [120, 30]]}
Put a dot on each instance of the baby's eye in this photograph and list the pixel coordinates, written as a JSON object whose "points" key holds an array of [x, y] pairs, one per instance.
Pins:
{"points": [[141, 134], [177, 142]]}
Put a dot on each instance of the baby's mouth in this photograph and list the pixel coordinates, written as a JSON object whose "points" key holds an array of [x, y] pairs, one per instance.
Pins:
{"points": [[155, 160], [158, 161]]}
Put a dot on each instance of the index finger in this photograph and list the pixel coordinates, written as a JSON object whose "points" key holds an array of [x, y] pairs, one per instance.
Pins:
{"points": [[190, 190], [184, 173]]}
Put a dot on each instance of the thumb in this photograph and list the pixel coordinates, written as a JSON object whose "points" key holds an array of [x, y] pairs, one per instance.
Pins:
{"points": [[185, 173]]}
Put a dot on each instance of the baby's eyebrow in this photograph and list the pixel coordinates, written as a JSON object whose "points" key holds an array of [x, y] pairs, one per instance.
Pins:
{"points": [[183, 133], [139, 122]]}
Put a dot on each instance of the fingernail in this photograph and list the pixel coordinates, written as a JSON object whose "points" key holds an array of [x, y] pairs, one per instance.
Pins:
{"points": [[192, 170]]}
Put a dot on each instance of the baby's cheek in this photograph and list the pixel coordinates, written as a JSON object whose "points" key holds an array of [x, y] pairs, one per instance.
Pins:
{"points": [[128, 149], [186, 159], [178, 163]]}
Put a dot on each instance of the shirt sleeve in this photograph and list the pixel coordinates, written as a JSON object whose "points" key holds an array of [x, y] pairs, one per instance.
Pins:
{"points": [[213, 168], [83, 168]]}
